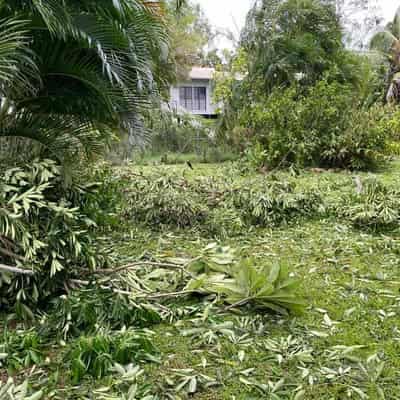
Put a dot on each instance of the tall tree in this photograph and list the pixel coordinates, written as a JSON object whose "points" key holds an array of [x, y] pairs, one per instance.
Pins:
{"points": [[294, 40]]}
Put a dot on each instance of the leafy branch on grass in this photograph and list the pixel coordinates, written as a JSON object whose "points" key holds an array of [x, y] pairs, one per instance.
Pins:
{"points": [[266, 287]]}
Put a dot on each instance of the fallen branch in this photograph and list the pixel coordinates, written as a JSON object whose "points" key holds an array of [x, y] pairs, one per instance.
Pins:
{"points": [[16, 270], [147, 296], [141, 264]]}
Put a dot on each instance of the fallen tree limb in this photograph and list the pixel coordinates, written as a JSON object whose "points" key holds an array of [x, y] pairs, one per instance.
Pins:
{"points": [[16, 270], [144, 296], [143, 264]]}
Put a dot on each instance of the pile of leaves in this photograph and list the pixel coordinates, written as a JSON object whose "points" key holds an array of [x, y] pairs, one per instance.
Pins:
{"points": [[21, 349], [374, 206], [272, 202], [215, 207], [12, 391], [165, 201], [215, 272]]}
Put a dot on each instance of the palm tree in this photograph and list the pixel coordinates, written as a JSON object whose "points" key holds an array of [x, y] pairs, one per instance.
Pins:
{"points": [[75, 73], [387, 42]]}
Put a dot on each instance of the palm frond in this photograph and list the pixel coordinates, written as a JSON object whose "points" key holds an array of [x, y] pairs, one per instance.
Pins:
{"points": [[65, 139], [99, 63], [18, 71]]}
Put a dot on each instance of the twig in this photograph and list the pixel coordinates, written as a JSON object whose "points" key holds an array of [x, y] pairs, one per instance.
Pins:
{"points": [[151, 296], [238, 304], [79, 282], [11, 254], [141, 264], [165, 295], [16, 270]]}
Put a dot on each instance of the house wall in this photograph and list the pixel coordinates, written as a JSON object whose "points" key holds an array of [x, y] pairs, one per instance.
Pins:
{"points": [[210, 107]]}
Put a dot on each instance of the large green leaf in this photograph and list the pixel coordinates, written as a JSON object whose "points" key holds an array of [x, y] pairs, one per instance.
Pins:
{"points": [[268, 287]]}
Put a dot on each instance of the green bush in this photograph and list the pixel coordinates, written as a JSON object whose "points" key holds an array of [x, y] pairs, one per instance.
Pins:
{"points": [[376, 207], [322, 126]]}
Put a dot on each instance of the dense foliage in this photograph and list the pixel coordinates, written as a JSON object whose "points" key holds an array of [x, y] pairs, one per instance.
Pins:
{"points": [[375, 207], [321, 126], [77, 75], [47, 230], [301, 96], [287, 41], [213, 259]]}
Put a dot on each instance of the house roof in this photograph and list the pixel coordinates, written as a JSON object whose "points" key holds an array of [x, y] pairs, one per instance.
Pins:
{"points": [[201, 73]]}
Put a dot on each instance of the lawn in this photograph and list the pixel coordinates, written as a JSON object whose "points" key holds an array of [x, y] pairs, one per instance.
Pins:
{"points": [[345, 344]]}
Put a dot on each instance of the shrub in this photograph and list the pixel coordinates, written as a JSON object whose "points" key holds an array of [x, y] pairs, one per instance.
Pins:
{"points": [[376, 207], [320, 126], [274, 202]]}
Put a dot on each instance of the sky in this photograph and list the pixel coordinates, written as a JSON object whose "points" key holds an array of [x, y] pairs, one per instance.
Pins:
{"points": [[231, 14]]}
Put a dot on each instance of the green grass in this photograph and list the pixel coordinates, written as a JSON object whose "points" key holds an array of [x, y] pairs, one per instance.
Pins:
{"points": [[350, 282]]}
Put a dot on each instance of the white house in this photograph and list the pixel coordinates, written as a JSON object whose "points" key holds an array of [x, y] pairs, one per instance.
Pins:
{"points": [[195, 94]]}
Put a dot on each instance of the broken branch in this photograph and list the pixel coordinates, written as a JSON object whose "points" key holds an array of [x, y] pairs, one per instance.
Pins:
{"points": [[16, 270]]}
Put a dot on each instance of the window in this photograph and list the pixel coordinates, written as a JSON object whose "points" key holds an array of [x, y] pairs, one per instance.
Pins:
{"points": [[199, 98], [193, 98]]}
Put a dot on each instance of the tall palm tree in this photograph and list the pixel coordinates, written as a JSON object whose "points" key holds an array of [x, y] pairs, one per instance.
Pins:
{"points": [[74, 73], [387, 42]]}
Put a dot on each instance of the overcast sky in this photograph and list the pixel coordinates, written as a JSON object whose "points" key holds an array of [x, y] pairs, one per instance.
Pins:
{"points": [[231, 14]]}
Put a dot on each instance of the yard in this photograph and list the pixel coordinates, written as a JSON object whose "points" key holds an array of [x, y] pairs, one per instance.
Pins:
{"points": [[180, 220], [344, 344]]}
